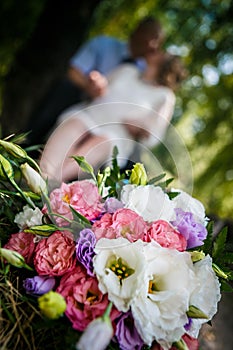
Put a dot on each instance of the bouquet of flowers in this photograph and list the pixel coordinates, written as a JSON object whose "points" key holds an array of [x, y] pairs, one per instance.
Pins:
{"points": [[116, 261]]}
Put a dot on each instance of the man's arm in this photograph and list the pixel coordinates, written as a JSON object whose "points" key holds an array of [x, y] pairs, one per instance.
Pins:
{"points": [[94, 84]]}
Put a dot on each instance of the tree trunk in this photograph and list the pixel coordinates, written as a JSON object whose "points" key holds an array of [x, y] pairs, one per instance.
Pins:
{"points": [[61, 28]]}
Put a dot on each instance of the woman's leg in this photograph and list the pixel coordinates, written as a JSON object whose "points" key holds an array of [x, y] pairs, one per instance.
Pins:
{"points": [[58, 146], [96, 150]]}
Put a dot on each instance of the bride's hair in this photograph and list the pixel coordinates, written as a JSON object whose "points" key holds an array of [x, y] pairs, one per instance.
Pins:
{"points": [[171, 72]]}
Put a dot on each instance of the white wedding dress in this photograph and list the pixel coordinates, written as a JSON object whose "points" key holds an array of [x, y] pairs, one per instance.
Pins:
{"points": [[130, 99]]}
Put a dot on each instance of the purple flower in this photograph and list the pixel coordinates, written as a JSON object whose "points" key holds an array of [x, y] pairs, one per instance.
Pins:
{"points": [[126, 333], [193, 231], [85, 245], [39, 285], [112, 204], [188, 325]]}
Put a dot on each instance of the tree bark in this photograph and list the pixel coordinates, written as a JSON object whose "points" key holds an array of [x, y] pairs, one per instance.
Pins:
{"points": [[60, 30]]}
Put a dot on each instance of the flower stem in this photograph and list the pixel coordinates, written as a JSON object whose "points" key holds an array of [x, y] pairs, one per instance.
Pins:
{"points": [[27, 199], [108, 311]]}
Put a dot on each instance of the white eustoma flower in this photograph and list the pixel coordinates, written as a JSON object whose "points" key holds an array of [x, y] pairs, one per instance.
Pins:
{"points": [[148, 201], [206, 295], [159, 311], [28, 217], [34, 180], [120, 269], [189, 204]]}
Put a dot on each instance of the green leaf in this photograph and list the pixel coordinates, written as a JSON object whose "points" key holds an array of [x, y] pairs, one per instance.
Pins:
{"points": [[114, 176], [84, 165], [208, 242], [172, 194], [219, 244], [101, 179], [115, 152], [80, 218], [156, 179], [226, 287], [46, 201], [227, 257], [6, 170]]}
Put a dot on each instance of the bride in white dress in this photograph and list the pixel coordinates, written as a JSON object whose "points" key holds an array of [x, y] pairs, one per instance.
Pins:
{"points": [[137, 107]]}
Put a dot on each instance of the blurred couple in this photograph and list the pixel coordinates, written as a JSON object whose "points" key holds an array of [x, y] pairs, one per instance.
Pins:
{"points": [[133, 103]]}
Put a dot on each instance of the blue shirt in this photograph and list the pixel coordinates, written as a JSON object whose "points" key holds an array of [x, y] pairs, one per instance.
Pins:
{"points": [[102, 53]]}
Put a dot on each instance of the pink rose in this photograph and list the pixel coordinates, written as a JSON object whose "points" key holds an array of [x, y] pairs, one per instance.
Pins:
{"points": [[163, 233], [83, 196], [55, 255], [23, 243], [128, 224], [84, 300], [123, 223], [102, 228]]}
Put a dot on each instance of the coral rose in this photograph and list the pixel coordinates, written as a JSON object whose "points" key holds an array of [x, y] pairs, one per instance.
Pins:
{"points": [[84, 300], [55, 255], [83, 196], [123, 223], [163, 233], [23, 243], [102, 228], [128, 224]]}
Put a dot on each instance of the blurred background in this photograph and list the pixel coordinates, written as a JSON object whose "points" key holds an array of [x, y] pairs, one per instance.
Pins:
{"points": [[37, 38]]}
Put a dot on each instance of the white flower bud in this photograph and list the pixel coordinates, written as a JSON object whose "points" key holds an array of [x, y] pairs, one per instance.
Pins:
{"points": [[34, 179], [97, 335]]}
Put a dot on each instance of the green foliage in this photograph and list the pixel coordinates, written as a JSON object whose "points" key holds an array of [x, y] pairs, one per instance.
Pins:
{"points": [[201, 32], [115, 178], [14, 192], [222, 257]]}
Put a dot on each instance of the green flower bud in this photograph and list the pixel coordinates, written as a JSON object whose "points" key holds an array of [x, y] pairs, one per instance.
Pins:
{"points": [[196, 256], [180, 345], [14, 258], [52, 305], [34, 180], [219, 272], [13, 149], [138, 175], [6, 170], [194, 312], [42, 230]]}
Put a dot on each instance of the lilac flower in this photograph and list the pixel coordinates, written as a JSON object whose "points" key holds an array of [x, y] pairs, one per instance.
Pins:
{"points": [[85, 245], [193, 231], [112, 204], [39, 285], [126, 333]]}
